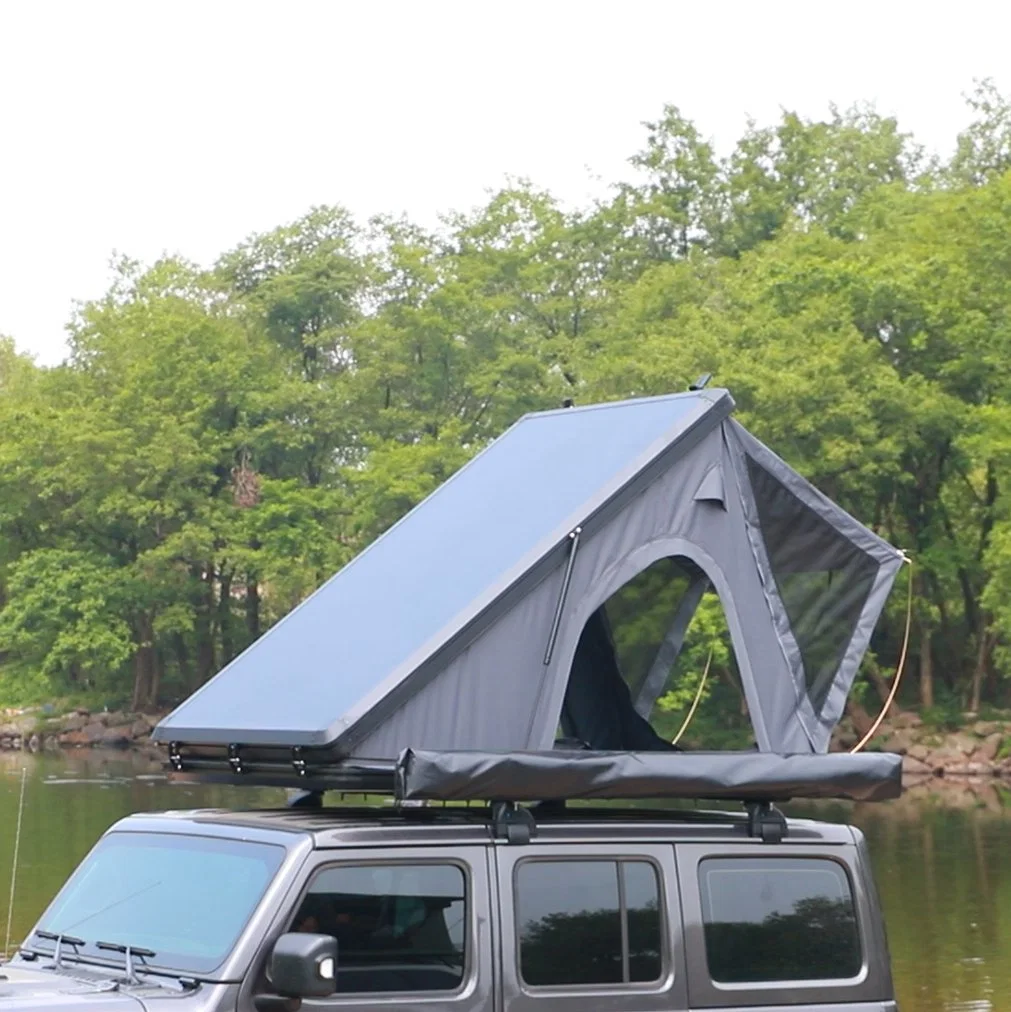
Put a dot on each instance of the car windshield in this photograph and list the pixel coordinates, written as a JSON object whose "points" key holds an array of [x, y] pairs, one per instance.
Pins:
{"points": [[186, 899]]}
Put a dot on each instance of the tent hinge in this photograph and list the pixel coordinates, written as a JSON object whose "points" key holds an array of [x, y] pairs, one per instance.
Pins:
{"points": [[765, 821], [563, 593], [234, 759], [298, 761], [175, 756], [514, 825]]}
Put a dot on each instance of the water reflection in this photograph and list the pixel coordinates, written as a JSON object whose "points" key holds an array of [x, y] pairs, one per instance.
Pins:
{"points": [[938, 853]]}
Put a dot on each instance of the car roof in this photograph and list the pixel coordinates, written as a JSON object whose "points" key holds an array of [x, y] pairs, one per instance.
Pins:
{"points": [[401, 825]]}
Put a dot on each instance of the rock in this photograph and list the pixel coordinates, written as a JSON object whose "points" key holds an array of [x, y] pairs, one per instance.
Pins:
{"points": [[906, 719], [114, 737], [74, 739], [899, 741], [962, 742], [954, 767], [946, 759], [915, 767], [75, 721], [984, 728], [919, 751], [140, 728], [93, 731], [987, 752]]}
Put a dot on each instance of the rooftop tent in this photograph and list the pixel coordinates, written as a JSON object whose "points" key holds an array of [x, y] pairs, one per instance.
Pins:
{"points": [[476, 622]]}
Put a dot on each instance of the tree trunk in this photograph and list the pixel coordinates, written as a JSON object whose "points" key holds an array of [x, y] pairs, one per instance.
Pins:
{"points": [[154, 684], [882, 688], [926, 668], [143, 665], [252, 608], [862, 720], [182, 658], [225, 618], [728, 677], [979, 673], [204, 629]]}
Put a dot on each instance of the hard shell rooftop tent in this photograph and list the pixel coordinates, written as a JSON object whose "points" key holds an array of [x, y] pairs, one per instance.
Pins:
{"points": [[476, 622]]}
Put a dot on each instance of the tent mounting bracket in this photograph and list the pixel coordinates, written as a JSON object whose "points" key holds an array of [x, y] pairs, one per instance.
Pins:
{"points": [[563, 593], [765, 821], [514, 825], [234, 759]]}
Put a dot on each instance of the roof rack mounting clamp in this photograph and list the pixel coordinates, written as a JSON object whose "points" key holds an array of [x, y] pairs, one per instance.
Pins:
{"points": [[234, 759], [305, 799], [765, 821], [514, 825]]}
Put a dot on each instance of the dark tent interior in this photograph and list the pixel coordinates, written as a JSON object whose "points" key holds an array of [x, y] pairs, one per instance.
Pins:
{"points": [[630, 653]]}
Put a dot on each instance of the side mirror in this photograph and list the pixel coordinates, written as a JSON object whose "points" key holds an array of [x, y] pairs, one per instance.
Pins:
{"points": [[304, 965]]}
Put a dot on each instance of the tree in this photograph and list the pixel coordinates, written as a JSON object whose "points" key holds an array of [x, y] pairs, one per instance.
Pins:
{"points": [[983, 151]]}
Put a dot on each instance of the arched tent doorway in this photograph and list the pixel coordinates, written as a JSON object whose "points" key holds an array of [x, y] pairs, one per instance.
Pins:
{"points": [[642, 648]]}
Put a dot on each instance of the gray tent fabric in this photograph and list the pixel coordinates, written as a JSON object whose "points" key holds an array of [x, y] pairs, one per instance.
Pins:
{"points": [[711, 487], [470, 624]]}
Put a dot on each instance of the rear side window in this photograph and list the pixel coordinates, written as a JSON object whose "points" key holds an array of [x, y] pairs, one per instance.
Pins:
{"points": [[778, 919], [588, 922], [399, 927]]}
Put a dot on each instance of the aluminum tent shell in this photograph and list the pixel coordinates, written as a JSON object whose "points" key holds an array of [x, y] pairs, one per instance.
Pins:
{"points": [[457, 629]]}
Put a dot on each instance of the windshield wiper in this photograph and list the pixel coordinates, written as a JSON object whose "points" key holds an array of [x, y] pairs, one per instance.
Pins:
{"points": [[129, 951], [60, 940]]}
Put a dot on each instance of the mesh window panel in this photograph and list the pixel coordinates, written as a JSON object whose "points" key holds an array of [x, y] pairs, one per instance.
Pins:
{"points": [[822, 577]]}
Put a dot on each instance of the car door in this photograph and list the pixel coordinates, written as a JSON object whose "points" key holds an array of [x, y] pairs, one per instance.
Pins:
{"points": [[590, 927], [414, 928], [788, 927]]}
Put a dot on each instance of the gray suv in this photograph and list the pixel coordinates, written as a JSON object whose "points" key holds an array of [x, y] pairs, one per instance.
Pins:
{"points": [[489, 907]]}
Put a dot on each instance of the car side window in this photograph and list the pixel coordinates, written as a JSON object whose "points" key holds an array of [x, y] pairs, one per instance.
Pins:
{"points": [[399, 927], [778, 919], [589, 922]]}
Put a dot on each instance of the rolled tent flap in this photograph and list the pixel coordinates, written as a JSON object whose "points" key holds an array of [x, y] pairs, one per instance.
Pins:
{"points": [[563, 775]]}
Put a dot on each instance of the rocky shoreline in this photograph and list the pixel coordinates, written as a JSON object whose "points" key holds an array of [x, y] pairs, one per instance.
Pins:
{"points": [[37, 731], [978, 749]]}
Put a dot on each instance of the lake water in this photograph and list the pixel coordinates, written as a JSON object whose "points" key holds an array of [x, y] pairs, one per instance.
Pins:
{"points": [[941, 860]]}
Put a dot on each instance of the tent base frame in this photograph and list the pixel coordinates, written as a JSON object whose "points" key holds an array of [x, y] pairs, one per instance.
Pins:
{"points": [[754, 778]]}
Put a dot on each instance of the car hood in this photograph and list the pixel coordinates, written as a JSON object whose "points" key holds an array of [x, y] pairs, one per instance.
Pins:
{"points": [[24, 989]]}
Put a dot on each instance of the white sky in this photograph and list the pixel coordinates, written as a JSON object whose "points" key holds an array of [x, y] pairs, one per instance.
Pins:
{"points": [[151, 126]]}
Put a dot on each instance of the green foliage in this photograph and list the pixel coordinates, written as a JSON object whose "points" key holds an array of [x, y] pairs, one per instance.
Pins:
{"points": [[943, 717], [221, 441]]}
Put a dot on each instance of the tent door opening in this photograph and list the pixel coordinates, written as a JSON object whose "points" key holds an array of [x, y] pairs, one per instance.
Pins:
{"points": [[625, 683]]}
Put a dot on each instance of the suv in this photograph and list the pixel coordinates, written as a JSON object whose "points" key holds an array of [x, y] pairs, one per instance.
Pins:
{"points": [[492, 907]]}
